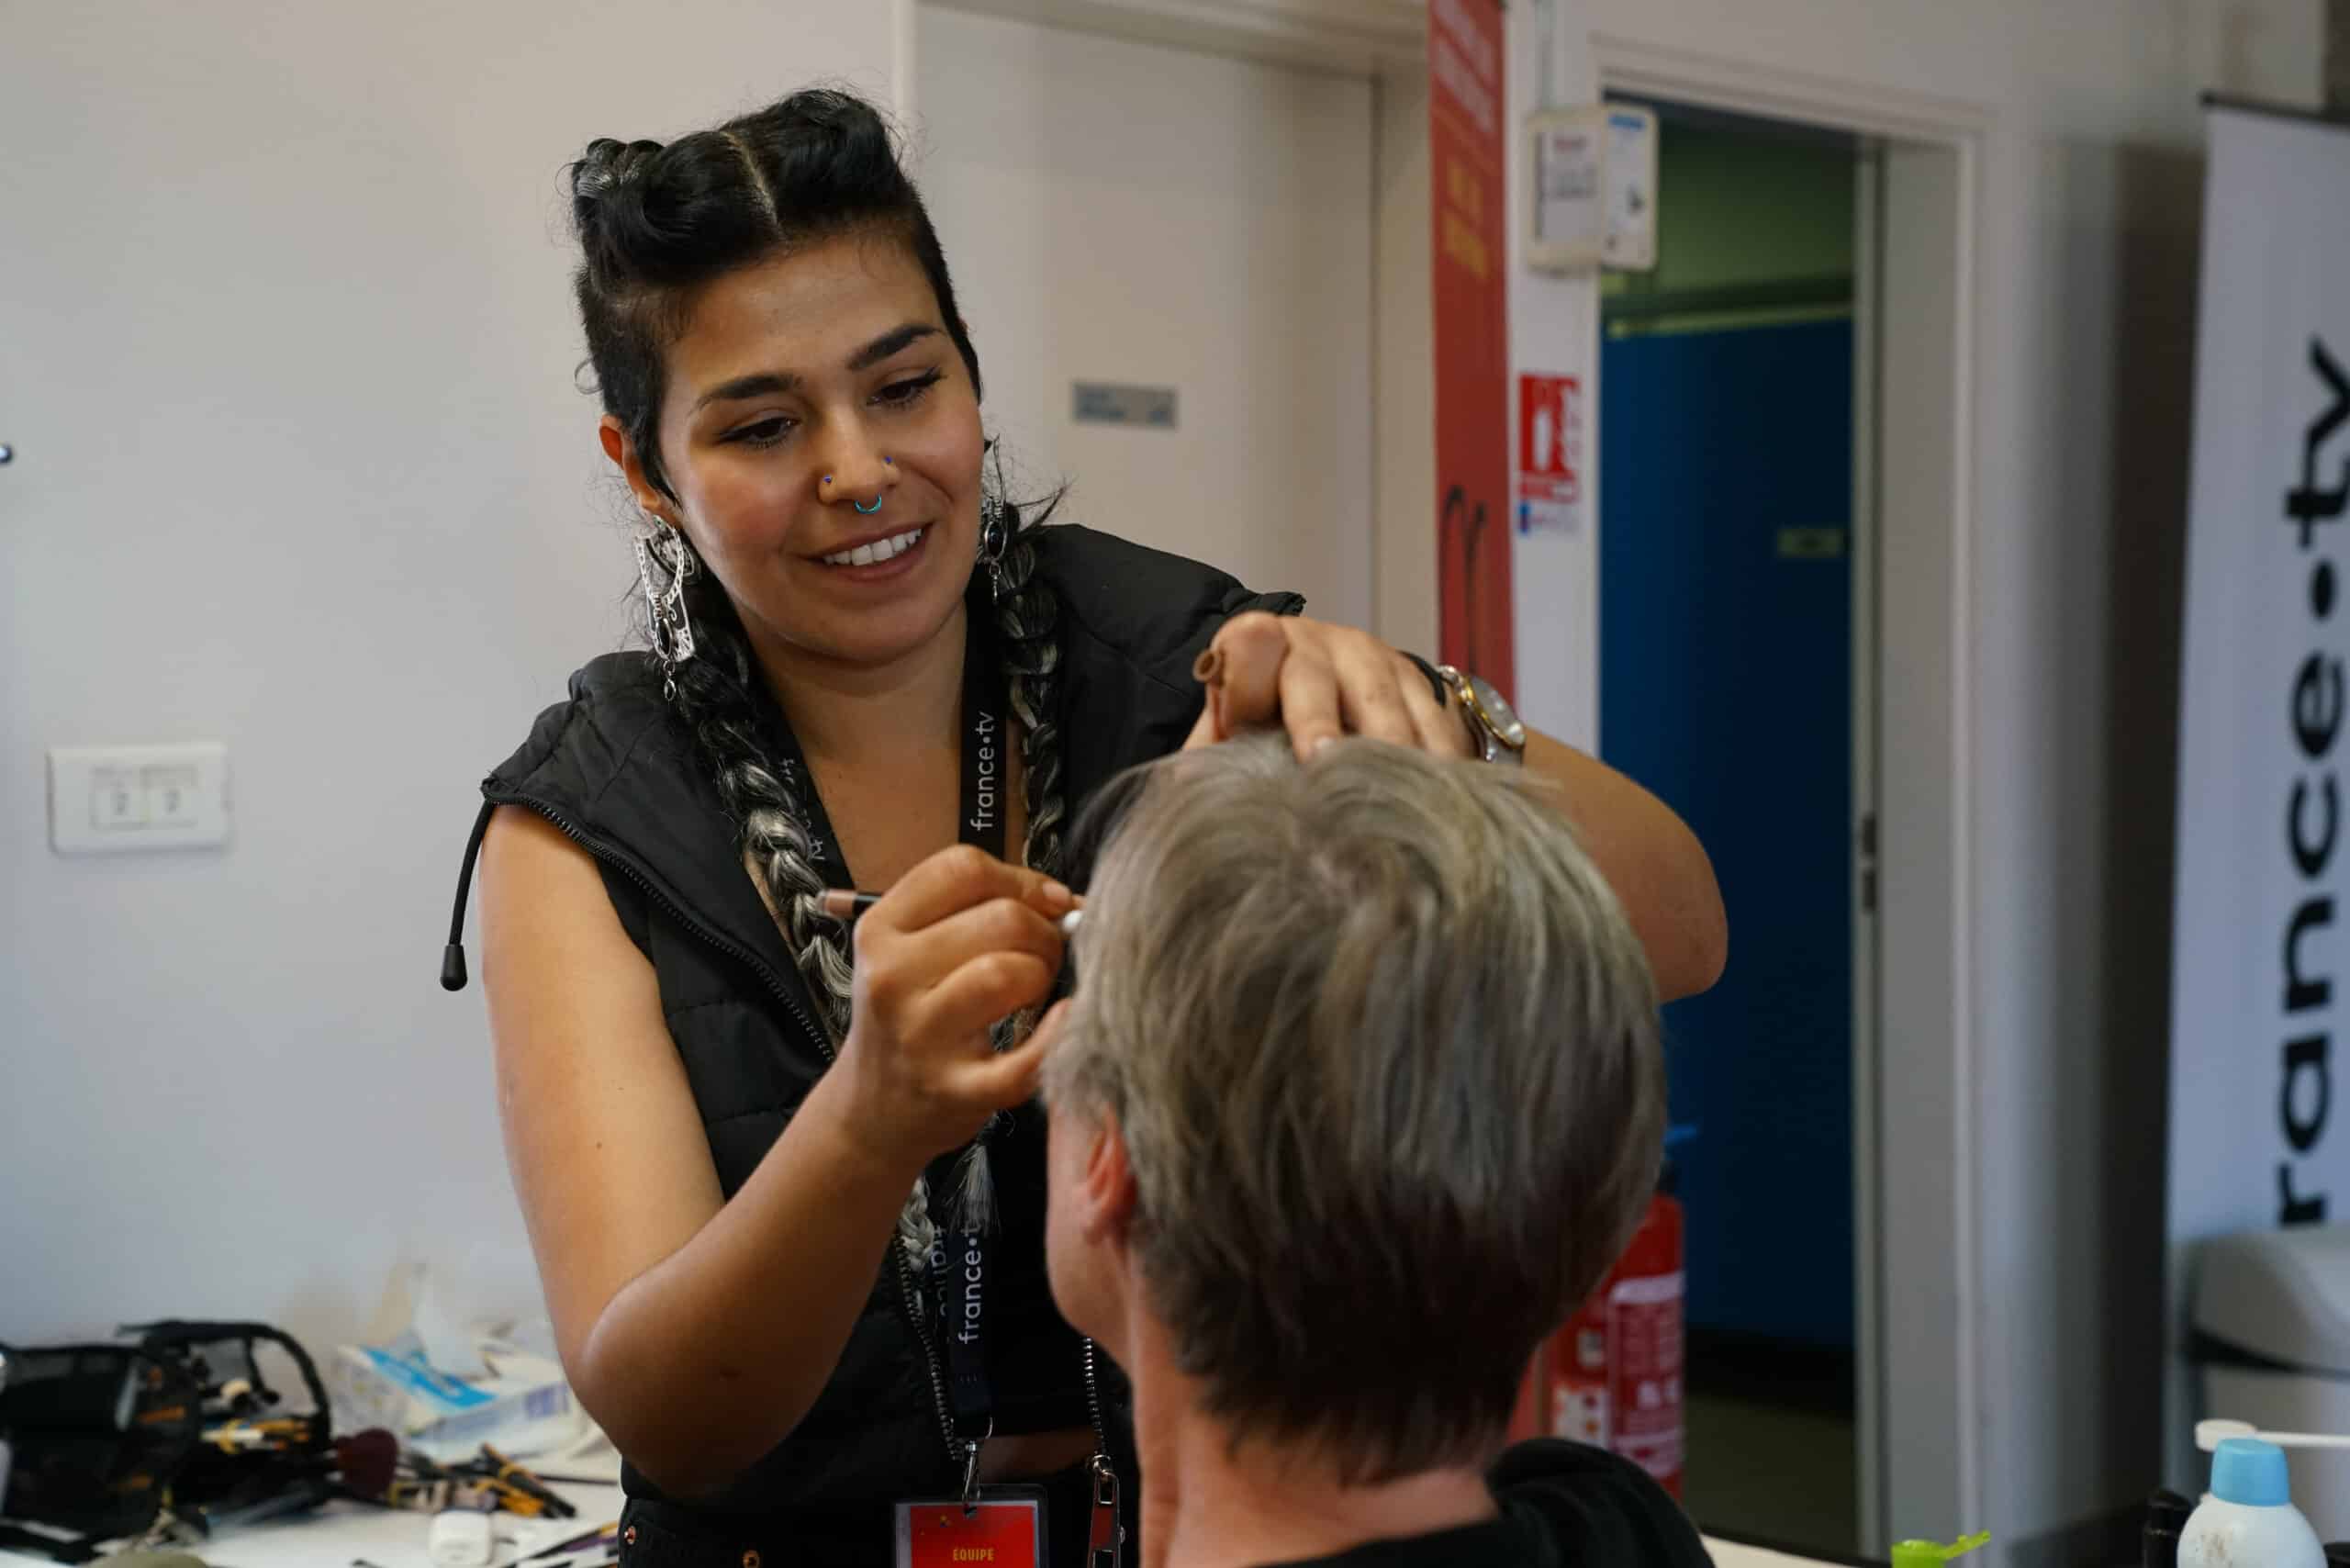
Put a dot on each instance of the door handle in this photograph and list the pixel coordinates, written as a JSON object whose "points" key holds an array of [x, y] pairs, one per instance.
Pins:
{"points": [[8, 454]]}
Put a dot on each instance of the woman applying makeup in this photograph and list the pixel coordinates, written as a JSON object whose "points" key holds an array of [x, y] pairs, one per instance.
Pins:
{"points": [[744, 1139]]}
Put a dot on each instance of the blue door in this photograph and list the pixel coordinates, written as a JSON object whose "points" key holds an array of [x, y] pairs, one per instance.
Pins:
{"points": [[1726, 687]]}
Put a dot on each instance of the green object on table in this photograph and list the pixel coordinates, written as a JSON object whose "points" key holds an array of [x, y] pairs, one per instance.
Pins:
{"points": [[152, 1560], [1933, 1554]]}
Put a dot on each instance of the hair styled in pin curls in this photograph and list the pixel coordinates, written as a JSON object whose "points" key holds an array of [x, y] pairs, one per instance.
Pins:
{"points": [[655, 222]]}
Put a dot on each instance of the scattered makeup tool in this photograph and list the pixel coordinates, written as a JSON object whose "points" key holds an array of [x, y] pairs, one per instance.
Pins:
{"points": [[847, 906]]}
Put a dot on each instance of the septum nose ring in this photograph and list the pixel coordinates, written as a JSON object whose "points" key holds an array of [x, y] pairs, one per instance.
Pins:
{"points": [[860, 506]]}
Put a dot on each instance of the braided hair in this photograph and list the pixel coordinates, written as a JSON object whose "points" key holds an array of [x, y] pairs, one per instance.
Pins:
{"points": [[655, 222]]}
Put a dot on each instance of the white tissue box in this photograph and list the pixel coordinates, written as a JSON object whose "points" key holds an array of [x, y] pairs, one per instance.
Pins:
{"points": [[447, 1417]]}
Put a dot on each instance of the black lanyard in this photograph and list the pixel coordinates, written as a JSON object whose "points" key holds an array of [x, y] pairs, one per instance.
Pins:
{"points": [[958, 1263], [958, 1274], [984, 737]]}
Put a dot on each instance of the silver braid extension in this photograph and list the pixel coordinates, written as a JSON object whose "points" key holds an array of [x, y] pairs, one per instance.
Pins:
{"points": [[777, 844], [777, 840], [774, 845], [1028, 617]]}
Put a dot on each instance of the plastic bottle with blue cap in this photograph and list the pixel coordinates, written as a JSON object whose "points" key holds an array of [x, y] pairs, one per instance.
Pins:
{"points": [[2248, 1517]]}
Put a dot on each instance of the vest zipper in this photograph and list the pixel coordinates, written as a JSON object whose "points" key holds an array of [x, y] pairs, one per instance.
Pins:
{"points": [[1105, 1533], [1093, 1407], [906, 1294], [930, 1356]]}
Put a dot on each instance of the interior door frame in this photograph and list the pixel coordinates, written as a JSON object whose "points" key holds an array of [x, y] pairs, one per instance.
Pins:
{"points": [[1384, 43], [1379, 43], [1918, 1417], [1868, 1165]]}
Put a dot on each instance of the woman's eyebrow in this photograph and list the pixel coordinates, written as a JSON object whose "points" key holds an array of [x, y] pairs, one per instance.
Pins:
{"points": [[758, 384], [890, 343], [764, 383]]}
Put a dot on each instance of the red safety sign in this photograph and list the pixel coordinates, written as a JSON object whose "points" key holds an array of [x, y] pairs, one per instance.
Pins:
{"points": [[1549, 453]]}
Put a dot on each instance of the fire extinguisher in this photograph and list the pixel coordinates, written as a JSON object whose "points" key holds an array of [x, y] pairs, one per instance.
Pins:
{"points": [[1612, 1376], [1615, 1369]]}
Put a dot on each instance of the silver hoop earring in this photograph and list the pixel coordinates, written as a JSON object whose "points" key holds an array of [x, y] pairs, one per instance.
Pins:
{"points": [[665, 565]]}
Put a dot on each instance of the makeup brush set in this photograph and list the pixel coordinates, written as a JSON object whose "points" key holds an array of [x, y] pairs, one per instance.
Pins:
{"points": [[168, 1435]]}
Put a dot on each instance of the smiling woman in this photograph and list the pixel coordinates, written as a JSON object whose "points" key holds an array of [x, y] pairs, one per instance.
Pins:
{"points": [[737, 1144], [817, 410]]}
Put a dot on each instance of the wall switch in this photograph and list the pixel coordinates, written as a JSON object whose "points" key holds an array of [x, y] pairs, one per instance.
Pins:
{"points": [[107, 800]]}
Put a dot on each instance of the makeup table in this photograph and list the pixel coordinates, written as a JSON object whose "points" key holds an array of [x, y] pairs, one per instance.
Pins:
{"points": [[342, 1534], [1732, 1554]]}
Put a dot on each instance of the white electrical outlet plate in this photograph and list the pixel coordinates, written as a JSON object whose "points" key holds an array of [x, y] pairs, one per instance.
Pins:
{"points": [[110, 799]]}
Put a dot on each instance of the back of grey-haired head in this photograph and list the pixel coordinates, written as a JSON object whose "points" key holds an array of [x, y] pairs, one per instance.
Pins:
{"points": [[1383, 1053]]}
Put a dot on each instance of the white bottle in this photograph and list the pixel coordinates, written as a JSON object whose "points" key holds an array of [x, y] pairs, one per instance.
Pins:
{"points": [[2247, 1519]]}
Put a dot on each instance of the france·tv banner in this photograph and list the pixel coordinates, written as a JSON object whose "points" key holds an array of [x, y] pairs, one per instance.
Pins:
{"points": [[2260, 991]]}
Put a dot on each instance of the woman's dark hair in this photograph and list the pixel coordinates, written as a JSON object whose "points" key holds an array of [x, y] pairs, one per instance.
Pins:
{"points": [[657, 222]]}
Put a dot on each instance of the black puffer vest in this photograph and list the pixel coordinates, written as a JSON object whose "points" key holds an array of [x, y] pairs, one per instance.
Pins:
{"points": [[614, 768]]}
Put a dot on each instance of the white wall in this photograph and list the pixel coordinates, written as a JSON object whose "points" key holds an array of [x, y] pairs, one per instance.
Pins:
{"points": [[1131, 212], [2085, 203], [1352, 36], [1403, 373], [286, 352]]}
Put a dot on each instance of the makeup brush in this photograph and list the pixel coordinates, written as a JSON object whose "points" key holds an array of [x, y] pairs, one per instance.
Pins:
{"points": [[848, 906], [366, 1462]]}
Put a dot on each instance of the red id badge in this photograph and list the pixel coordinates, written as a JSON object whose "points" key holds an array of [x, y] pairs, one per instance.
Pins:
{"points": [[1005, 1529]]}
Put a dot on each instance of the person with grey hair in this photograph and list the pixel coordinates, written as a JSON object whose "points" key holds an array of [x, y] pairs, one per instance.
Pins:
{"points": [[1357, 1095]]}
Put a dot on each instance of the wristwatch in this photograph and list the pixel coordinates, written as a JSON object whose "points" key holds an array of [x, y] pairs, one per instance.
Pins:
{"points": [[1493, 726]]}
